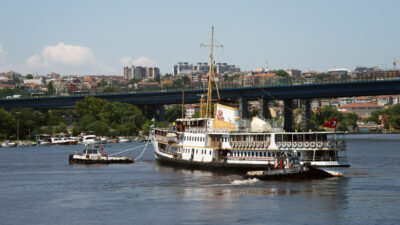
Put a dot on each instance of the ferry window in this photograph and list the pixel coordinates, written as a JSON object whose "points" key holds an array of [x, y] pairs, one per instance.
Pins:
{"points": [[210, 152], [196, 151], [252, 154]]}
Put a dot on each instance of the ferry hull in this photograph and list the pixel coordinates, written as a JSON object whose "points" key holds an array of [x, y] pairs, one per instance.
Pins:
{"points": [[336, 171], [223, 166]]}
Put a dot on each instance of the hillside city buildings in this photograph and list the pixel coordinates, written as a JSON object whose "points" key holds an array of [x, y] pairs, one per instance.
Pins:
{"points": [[136, 78]]}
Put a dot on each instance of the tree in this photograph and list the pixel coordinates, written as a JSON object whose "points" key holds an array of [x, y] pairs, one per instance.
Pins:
{"points": [[28, 120], [282, 73], [29, 76], [89, 106], [324, 114], [99, 128], [173, 113], [134, 81], [7, 124], [196, 114], [103, 83], [50, 88], [237, 75]]}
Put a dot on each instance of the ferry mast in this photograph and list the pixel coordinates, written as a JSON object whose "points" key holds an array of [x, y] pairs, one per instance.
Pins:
{"points": [[211, 77]]}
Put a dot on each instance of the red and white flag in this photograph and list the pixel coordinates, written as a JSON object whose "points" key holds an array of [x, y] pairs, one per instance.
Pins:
{"points": [[331, 123]]}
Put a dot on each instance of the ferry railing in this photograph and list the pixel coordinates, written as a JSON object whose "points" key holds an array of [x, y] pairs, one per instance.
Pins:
{"points": [[340, 159]]}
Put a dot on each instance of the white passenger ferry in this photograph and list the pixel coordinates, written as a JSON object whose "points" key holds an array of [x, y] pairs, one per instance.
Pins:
{"points": [[225, 141]]}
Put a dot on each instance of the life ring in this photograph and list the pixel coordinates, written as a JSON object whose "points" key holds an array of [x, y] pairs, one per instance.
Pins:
{"points": [[289, 144], [319, 144], [312, 144], [278, 144], [284, 144], [294, 144], [340, 143], [98, 156], [306, 144], [300, 144]]}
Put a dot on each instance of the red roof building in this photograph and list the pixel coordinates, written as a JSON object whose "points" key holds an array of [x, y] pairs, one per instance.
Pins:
{"points": [[363, 110]]}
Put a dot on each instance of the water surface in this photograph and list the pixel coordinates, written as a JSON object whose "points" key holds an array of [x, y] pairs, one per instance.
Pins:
{"points": [[38, 186]]}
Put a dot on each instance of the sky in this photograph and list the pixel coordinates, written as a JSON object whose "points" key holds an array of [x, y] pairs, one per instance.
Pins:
{"points": [[101, 37]]}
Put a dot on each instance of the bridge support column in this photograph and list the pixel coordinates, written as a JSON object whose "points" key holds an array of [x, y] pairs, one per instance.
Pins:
{"points": [[244, 107], [160, 112], [306, 114], [265, 113], [288, 115]]}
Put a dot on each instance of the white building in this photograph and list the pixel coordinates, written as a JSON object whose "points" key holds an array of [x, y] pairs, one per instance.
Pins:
{"points": [[190, 110]]}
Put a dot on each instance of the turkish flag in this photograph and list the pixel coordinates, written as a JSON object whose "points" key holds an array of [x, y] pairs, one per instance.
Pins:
{"points": [[331, 123]]}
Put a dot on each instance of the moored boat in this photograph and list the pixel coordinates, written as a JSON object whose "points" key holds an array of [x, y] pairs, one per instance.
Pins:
{"points": [[89, 139], [8, 144], [63, 141], [94, 155]]}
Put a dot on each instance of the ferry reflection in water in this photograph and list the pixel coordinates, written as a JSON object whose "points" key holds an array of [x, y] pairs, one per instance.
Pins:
{"points": [[206, 190]]}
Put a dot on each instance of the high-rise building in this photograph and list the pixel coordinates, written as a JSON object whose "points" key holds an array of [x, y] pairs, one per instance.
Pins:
{"points": [[140, 72]]}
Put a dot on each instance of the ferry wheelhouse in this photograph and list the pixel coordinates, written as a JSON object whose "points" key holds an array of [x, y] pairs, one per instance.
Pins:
{"points": [[224, 140]]}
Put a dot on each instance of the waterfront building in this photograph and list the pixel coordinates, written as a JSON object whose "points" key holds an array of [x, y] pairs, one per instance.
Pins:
{"points": [[346, 101], [363, 110]]}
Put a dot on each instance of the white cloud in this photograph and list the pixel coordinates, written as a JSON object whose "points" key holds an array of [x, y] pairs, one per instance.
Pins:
{"points": [[2, 51], [141, 61], [4, 65], [66, 58]]}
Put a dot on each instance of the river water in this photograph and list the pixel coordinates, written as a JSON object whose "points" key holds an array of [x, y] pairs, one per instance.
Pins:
{"points": [[38, 186]]}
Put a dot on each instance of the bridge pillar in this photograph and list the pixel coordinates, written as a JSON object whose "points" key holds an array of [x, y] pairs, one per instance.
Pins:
{"points": [[288, 115], [244, 108], [265, 113], [160, 113], [306, 114]]}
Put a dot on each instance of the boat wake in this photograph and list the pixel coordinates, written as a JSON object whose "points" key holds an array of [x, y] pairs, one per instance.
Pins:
{"points": [[244, 182]]}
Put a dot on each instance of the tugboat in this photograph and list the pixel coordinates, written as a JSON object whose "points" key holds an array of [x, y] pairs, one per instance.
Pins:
{"points": [[93, 155], [285, 166]]}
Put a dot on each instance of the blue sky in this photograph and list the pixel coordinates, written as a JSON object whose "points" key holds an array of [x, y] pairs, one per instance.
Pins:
{"points": [[99, 37]]}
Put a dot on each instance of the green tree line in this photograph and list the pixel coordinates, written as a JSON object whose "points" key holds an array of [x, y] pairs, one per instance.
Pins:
{"points": [[90, 114]]}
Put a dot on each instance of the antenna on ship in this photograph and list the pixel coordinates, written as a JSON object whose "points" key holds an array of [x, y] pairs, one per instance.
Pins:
{"points": [[211, 77]]}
